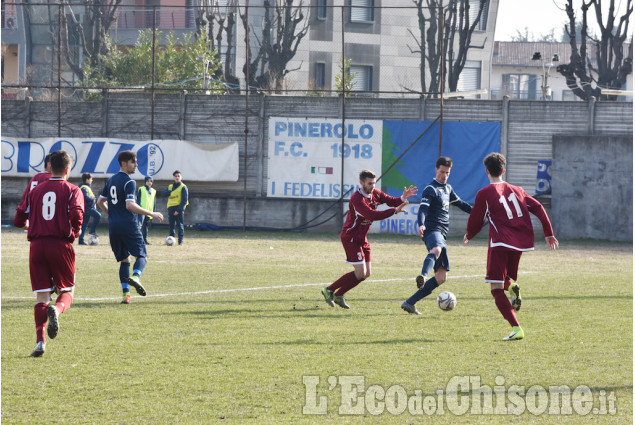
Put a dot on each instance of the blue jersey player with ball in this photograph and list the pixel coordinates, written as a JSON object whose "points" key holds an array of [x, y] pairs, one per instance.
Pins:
{"points": [[434, 222]]}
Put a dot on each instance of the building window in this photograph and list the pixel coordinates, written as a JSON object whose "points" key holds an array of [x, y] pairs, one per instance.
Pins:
{"points": [[320, 75], [470, 78], [362, 77], [520, 86], [474, 6], [362, 11], [321, 9]]}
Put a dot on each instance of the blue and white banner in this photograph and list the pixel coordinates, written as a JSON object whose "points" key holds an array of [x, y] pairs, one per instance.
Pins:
{"points": [[98, 156], [305, 156]]}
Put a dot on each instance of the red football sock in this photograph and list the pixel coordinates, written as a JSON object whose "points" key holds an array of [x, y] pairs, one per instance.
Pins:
{"points": [[508, 283], [344, 284], [63, 302], [39, 312], [504, 306]]}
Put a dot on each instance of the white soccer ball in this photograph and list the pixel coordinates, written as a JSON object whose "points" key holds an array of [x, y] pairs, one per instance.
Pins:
{"points": [[170, 241], [446, 300], [93, 240]]}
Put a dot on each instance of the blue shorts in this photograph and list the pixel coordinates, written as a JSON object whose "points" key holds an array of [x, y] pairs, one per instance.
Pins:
{"points": [[126, 242], [436, 238]]}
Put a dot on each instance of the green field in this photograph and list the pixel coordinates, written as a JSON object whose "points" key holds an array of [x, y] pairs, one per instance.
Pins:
{"points": [[234, 330]]}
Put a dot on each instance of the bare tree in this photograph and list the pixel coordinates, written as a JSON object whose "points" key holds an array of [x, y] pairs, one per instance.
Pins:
{"points": [[458, 25], [218, 25], [612, 68], [457, 37], [92, 33], [284, 25]]}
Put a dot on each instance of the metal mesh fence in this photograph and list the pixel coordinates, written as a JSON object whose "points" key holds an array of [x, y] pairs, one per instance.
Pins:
{"points": [[74, 52]]}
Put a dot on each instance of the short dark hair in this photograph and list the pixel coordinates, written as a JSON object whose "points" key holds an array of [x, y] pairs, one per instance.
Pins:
{"points": [[446, 161], [495, 163], [59, 161], [125, 156], [86, 176], [176, 172], [366, 174], [47, 159]]}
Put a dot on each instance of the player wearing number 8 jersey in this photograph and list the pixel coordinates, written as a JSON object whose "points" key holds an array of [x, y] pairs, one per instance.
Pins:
{"points": [[362, 211], [118, 199], [54, 209], [507, 209]]}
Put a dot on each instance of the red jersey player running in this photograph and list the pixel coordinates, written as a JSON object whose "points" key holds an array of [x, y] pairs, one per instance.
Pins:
{"points": [[507, 209], [55, 211], [362, 211]]}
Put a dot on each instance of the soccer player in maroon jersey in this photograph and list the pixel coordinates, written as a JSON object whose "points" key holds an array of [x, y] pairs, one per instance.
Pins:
{"points": [[362, 211], [38, 178], [55, 211], [511, 233]]}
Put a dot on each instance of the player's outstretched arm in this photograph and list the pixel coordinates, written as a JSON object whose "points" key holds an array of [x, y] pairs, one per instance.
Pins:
{"points": [[401, 207], [409, 192], [552, 242]]}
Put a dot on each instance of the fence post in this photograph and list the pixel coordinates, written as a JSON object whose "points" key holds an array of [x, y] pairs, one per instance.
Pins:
{"points": [[260, 147], [505, 126], [422, 107], [182, 111], [104, 112], [591, 111]]}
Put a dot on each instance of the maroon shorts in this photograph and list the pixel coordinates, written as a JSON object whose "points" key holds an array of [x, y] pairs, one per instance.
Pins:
{"points": [[52, 258], [356, 253], [502, 263]]}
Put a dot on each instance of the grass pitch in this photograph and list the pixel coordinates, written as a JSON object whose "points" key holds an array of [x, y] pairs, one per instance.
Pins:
{"points": [[234, 330]]}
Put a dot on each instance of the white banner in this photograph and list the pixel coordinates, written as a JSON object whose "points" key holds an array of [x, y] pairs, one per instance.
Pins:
{"points": [[305, 155], [98, 156]]}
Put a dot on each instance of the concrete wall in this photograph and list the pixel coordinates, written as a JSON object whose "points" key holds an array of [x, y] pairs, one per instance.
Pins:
{"points": [[592, 187], [527, 130]]}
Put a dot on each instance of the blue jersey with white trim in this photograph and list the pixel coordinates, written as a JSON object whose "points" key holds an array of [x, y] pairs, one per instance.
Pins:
{"points": [[435, 205], [119, 189]]}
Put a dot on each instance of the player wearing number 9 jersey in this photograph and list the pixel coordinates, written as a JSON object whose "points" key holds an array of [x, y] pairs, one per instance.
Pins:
{"points": [[118, 199], [507, 209], [55, 211]]}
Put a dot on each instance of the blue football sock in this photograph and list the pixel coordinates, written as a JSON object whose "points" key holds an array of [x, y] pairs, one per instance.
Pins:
{"points": [[428, 264], [124, 274], [424, 291], [139, 266]]}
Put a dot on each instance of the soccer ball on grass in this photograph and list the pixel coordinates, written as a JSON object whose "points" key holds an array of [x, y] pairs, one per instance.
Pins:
{"points": [[93, 240], [170, 241], [446, 300]]}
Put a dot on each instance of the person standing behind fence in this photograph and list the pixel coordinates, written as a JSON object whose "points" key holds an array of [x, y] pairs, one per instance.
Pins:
{"points": [[89, 208], [145, 199], [177, 201], [54, 214]]}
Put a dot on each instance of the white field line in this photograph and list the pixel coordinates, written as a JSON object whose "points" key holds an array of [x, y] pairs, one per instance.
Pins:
{"points": [[257, 288]]}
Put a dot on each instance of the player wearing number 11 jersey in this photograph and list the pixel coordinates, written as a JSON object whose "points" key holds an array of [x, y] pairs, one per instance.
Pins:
{"points": [[54, 211], [511, 233]]}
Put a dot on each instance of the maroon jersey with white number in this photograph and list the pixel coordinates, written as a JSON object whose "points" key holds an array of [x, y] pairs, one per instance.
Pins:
{"points": [[507, 209], [22, 212], [56, 209], [362, 211]]}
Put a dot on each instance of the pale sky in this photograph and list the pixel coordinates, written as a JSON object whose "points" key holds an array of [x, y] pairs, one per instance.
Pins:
{"points": [[540, 16]]}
